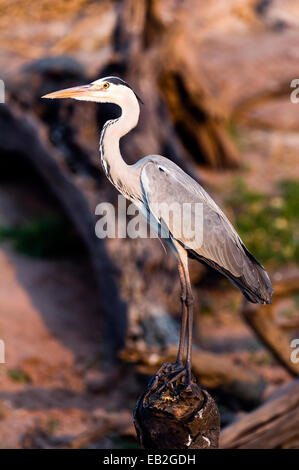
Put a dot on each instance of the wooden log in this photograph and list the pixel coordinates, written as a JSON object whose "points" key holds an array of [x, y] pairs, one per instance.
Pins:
{"points": [[261, 319], [286, 286], [276, 340], [173, 415], [211, 370], [273, 425]]}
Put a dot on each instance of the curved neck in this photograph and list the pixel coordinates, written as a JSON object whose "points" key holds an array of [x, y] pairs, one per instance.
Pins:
{"points": [[116, 169]]}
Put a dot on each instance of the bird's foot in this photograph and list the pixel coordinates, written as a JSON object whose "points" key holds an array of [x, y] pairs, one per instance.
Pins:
{"points": [[170, 375]]}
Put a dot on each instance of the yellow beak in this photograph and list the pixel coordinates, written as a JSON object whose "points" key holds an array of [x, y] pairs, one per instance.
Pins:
{"points": [[74, 92]]}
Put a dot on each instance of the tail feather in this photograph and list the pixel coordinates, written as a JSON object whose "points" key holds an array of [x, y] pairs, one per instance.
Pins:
{"points": [[260, 293]]}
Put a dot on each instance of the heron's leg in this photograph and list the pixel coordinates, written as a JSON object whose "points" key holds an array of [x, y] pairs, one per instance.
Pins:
{"points": [[189, 303], [171, 372], [187, 299], [183, 314], [183, 259]]}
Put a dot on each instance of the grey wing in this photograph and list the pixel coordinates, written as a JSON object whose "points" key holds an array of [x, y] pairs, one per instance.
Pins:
{"points": [[166, 186]]}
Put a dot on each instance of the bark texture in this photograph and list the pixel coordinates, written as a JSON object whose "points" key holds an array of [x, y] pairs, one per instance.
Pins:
{"points": [[173, 416]]}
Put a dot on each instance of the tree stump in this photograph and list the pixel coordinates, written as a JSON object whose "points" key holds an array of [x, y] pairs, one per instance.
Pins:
{"points": [[171, 415]]}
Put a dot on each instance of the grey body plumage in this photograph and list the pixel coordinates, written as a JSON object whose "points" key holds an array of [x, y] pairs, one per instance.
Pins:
{"points": [[222, 247]]}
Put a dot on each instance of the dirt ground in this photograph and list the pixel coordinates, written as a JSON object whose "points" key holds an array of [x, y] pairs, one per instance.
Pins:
{"points": [[50, 323]]}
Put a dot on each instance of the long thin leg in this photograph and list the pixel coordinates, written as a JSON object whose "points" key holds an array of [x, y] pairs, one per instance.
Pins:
{"points": [[189, 303], [171, 372], [187, 316], [184, 313]]}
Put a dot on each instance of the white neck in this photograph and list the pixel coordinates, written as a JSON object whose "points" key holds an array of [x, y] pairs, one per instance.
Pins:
{"points": [[116, 169]]}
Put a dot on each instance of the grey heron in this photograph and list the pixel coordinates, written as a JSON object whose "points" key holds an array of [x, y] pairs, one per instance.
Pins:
{"points": [[155, 179]]}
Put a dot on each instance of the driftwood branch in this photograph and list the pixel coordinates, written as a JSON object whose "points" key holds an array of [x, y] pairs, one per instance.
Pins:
{"points": [[261, 319], [272, 425], [211, 370]]}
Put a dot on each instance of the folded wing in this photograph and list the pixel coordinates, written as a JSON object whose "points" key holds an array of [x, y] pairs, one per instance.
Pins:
{"points": [[180, 204]]}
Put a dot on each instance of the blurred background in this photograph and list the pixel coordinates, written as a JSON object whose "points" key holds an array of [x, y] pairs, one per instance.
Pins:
{"points": [[85, 321]]}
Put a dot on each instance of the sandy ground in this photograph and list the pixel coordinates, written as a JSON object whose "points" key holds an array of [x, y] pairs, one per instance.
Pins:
{"points": [[53, 354], [50, 323]]}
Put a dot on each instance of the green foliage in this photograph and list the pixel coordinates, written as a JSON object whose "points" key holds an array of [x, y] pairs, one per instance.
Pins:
{"points": [[268, 225], [264, 359], [44, 237], [124, 443], [289, 313], [18, 375], [296, 299], [207, 306], [233, 131]]}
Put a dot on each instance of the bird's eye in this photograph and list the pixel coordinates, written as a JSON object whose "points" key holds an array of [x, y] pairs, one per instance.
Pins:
{"points": [[106, 85]]}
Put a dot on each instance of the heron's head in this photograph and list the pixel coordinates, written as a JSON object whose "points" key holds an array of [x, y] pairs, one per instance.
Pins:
{"points": [[105, 90]]}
